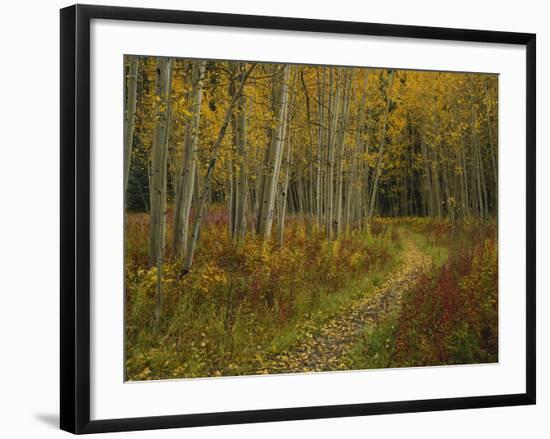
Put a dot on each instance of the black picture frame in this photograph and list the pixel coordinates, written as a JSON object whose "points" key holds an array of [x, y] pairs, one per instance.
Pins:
{"points": [[75, 217]]}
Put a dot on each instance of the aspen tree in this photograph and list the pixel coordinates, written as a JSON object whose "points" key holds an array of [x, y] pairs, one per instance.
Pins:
{"points": [[283, 196], [242, 178], [187, 180], [192, 242], [159, 159], [381, 145], [320, 135], [157, 227], [333, 115], [238, 182], [284, 192], [130, 116], [271, 170], [346, 85], [352, 192]]}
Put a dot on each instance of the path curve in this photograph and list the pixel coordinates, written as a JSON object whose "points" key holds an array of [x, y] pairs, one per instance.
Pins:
{"points": [[327, 348]]}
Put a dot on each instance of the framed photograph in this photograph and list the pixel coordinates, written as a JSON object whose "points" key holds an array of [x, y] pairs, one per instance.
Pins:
{"points": [[268, 218]]}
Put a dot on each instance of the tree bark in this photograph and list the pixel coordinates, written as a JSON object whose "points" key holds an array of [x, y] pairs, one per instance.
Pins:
{"points": [[271, 170], [188, 260], [129, 120], [157, 227], [381, 146], [159, 160], [186, 181]]}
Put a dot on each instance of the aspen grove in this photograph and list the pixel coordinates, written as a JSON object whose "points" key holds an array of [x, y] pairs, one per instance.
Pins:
{"points": [[302, 218]]}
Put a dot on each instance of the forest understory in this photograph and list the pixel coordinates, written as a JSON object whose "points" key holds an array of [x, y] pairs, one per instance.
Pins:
{"points": [[407, 292]]}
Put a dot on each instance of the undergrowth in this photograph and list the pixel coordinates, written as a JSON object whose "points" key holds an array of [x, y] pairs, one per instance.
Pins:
{"points": [[242, 301], [450, 314]]}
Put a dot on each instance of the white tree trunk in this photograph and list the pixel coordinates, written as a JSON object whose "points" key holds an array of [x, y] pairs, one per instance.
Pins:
{"points": [[192, 242], [187, 180], [271, 170], [157, 227], [381, 147], [159, 160], [130, 117]]}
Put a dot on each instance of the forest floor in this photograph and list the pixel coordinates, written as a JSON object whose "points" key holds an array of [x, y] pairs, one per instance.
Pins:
{"points": [[410, 292], [329, 346]]}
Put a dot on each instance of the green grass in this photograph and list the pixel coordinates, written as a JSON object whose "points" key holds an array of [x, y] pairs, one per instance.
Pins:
{"points": [[376, 347], [438, 253], [331, 305]]}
